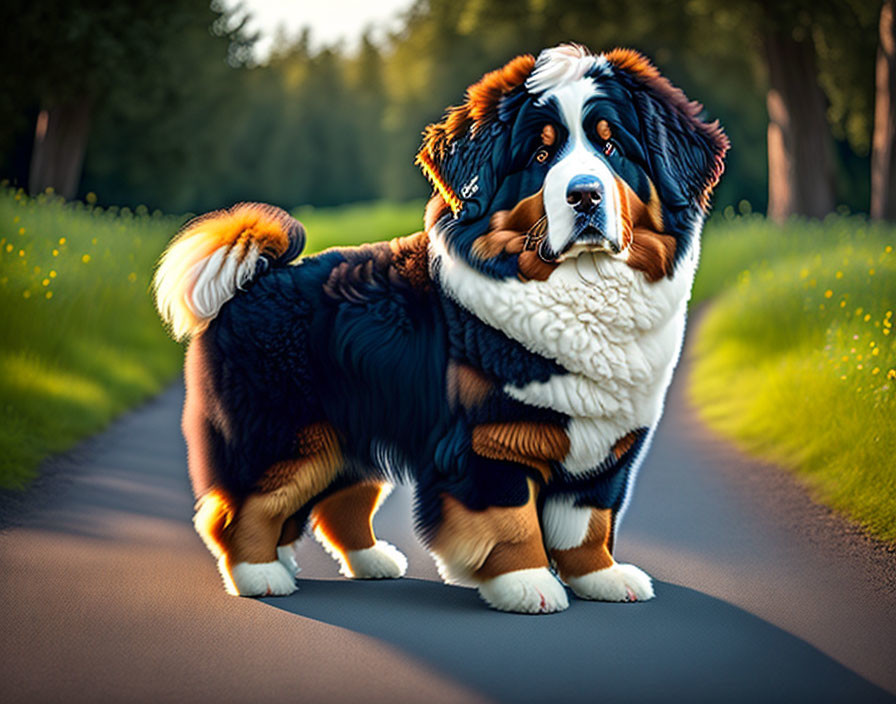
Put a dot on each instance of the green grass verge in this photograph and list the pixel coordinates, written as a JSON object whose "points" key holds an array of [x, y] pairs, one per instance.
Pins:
{"points": [[363, 222], [796, 359], [81, 341]]}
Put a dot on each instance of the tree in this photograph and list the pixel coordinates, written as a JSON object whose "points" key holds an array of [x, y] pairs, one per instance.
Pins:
{"points": [[883, 155], [72, 58]]}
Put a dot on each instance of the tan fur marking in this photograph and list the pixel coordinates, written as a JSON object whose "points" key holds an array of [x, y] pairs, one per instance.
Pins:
{"points": [[624, 444], [410, 257], [472, 386], [548, 135], [603, 130], [466, 539], [531, 444], [346, 517], [518, 231], [649, 250], [594, 552], [255, 531]]}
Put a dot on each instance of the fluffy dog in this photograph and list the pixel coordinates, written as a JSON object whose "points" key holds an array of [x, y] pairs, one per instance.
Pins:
{"points": [[512, 358]]}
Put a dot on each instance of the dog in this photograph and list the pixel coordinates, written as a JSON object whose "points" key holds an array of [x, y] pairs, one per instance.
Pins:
{"points": [[511, 359]]}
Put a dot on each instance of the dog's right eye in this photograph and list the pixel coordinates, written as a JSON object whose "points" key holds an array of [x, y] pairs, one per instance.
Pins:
{"points": [[542, 155]]}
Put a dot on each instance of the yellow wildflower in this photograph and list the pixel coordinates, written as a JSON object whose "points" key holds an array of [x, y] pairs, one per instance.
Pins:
{"points": [[828, 293], [85, 258], [49, 295], [62, 240], [45, 282]]}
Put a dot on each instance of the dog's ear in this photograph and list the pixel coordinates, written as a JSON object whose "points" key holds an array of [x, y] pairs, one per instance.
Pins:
{"points": [[686, 154], [463, 155]]}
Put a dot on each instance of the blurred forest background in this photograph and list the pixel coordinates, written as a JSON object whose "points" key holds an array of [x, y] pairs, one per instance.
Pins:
{"points": [[162, 104]]}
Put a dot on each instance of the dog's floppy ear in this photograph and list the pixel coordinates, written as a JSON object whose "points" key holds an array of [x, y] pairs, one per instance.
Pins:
{"points": [[462, 155], [687, 155]]}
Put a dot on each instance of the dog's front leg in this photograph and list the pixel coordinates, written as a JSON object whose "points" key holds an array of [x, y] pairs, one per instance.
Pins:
{"points": [[578, 539], [499, 550]]}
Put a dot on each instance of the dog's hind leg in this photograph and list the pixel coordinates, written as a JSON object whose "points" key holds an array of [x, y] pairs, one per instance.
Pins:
{"points": [[343, 524], [250, 560]]}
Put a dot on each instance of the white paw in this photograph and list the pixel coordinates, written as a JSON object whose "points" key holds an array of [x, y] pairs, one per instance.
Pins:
{"points": [[259, 579], [382, 561], [615, 583], [532, 591], [286, 555]]}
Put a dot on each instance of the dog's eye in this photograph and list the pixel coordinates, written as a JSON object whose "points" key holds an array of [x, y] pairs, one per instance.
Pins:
{"points": [[609, 149], [542, 155]]}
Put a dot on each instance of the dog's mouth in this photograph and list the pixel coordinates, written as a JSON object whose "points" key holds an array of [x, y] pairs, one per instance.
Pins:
{"points": [[588, 238]]}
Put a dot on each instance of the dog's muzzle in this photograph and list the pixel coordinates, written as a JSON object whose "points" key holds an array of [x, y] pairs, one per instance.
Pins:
{"points": [[585, 195]]}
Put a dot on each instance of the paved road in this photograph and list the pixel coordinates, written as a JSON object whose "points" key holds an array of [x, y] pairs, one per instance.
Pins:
{"points": [[106, 594]]}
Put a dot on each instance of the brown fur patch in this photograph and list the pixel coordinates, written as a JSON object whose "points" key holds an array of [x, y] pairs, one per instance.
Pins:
{"points": [[253, 534], [651, 253], [640, 67], [649, 250], [594, 552], [403, 260], [466, 540], [346, 517], [624, 444], [518, 231], [435, 208], [531, 444], [466, 385], [479, 108], [410, 257]]}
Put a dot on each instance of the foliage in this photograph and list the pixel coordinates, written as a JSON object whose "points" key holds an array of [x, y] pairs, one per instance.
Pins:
{"points": [[81, 340], [796, 359], [185, 124]]}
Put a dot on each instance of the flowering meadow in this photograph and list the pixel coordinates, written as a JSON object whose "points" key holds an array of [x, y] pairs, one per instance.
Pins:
{"points": [[79, 338], [796, 358]]}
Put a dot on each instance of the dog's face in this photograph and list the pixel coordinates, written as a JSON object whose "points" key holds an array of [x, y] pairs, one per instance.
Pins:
{"points": [[573, 153]]}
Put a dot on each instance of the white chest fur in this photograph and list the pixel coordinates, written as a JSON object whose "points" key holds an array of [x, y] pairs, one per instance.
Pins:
{"points": [[617, 335]]}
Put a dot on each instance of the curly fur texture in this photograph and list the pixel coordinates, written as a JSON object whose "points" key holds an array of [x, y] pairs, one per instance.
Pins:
{"points": [[512, 358]]}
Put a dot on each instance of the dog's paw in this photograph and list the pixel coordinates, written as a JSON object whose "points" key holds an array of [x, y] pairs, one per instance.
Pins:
{"points": [[259, 579], [286, 556], [531, 591], [382, 561], [615, 583]]}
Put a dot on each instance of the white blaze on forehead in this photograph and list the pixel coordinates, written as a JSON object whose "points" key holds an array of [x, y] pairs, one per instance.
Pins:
{"points": [[578, 159], [562, 64]]}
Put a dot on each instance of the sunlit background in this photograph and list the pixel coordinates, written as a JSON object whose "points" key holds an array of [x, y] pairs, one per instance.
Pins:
{"points": [[119, 119]]}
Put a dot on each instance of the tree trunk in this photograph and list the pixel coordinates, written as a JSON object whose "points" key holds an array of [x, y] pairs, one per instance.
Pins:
{"points": [[883, 155], [800, 150], [60, 140]]}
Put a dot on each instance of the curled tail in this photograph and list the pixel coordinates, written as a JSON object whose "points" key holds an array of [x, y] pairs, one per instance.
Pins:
{"points": [[216, 254]]}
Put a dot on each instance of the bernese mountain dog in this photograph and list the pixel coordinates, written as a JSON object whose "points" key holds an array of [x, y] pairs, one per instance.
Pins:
{"points": [[511, 359]]}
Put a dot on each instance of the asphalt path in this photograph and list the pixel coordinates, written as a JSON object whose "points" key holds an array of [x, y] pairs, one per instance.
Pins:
{"points": [[107, 594]]}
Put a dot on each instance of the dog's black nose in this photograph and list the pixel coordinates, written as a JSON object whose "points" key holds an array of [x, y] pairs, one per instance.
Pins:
{"points": [[584, 193]]}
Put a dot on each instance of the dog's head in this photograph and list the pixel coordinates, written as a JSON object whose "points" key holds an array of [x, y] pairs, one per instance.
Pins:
{"points": [[571, 153]]}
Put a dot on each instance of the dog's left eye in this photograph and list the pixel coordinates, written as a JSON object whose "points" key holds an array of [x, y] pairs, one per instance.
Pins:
{"points": [[542, 155], [609, 149]]}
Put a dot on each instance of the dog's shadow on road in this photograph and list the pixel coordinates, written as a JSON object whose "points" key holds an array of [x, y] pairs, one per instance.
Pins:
{"points": [[684, 645]]}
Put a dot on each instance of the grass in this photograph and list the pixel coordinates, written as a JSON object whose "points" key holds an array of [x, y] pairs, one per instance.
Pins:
{"points": [[796, 359], [81, 341], [363, 222]]}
